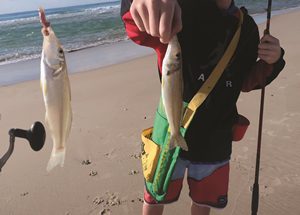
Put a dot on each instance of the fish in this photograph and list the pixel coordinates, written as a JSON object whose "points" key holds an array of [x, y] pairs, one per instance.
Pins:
{"points": [[56, 91], [172, 92]]}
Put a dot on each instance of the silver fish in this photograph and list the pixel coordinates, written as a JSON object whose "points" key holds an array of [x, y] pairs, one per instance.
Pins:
{"points": [[56, 92], [172, 90]]}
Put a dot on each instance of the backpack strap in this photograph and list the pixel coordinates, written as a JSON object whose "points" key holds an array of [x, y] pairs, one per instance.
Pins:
{"points": [[210, 83]]}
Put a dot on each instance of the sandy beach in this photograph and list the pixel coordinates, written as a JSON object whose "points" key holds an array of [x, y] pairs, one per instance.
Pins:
{"points": [[111, 105]]}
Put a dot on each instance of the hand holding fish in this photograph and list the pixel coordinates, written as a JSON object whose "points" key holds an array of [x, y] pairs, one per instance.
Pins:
{"points": [[160, 18]]}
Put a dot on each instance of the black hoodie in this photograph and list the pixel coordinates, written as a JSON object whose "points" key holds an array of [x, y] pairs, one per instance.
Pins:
{"points": [[206, 33]]}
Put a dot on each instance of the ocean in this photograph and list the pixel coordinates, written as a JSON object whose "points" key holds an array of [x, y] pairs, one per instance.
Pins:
{"points": [[80, 27], [77, 27]]}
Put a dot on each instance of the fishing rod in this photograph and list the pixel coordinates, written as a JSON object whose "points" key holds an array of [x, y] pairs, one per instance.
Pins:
{"points": [[255, 192], [36, 136]]}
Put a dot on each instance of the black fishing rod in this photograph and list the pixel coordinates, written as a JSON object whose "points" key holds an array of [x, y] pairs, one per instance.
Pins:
{"points": [[255, 192], [36, 136]]}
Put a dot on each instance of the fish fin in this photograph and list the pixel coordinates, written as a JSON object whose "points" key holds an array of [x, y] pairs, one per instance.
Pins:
{"points": [[57, 72], [178, 140], [57, 158]]}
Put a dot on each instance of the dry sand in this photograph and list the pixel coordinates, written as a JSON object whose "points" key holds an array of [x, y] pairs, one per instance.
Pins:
{"points": [[102, 173]]}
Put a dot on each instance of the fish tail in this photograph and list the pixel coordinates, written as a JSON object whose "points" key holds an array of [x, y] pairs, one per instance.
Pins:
{"points": [[56, 158], [178, 140]]}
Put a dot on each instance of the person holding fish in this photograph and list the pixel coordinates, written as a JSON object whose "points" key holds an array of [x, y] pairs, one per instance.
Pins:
{"points": [[204, 29]]}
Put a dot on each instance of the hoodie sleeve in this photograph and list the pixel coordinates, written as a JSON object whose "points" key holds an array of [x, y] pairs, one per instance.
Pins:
{"points": [[140, 37], [262, 74]]}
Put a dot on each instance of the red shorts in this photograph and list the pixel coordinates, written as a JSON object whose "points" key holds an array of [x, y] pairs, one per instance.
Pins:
{"points": [[208, 184]]}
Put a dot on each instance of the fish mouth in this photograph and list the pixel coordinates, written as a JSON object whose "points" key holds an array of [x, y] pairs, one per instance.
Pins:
{"points": [[44, 22]]}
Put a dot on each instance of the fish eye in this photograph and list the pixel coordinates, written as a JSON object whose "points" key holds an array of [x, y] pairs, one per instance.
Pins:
{"points": [[178, 55], [60, 51]]}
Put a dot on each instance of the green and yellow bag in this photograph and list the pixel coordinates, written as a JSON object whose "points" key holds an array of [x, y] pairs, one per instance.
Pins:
{"points": [[158, 161]]}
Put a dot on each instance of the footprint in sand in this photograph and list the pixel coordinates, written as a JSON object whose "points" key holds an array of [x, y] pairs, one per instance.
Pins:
{"points": [[110, 154], [267, 190], [134, 172], [264, 190], [86, 162], [98, 200], [140, 200], [136, 156], [137, 200], [112, 200], [109, 200], [24, 194], [105, 211], [93, 173]]}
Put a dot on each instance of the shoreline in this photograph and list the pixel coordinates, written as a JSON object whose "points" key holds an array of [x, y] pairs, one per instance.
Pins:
{"points": [[81, 60], [262, 17]]}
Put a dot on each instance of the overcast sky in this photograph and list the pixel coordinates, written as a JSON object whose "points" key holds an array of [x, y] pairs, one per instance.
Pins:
{"points": [[11, 6]]}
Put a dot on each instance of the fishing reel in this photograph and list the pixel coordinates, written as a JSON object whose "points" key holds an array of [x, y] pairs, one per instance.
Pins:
{"points": [[36, 136]]}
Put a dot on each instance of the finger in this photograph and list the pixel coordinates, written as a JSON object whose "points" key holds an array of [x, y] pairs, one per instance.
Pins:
{"points": [[145, 18], [266, 58], [269, 39], [165, 24], [268, 46], [137, 19], [177, 21], [265, 52], [154, 19], [269, 57], [265, 38]]}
